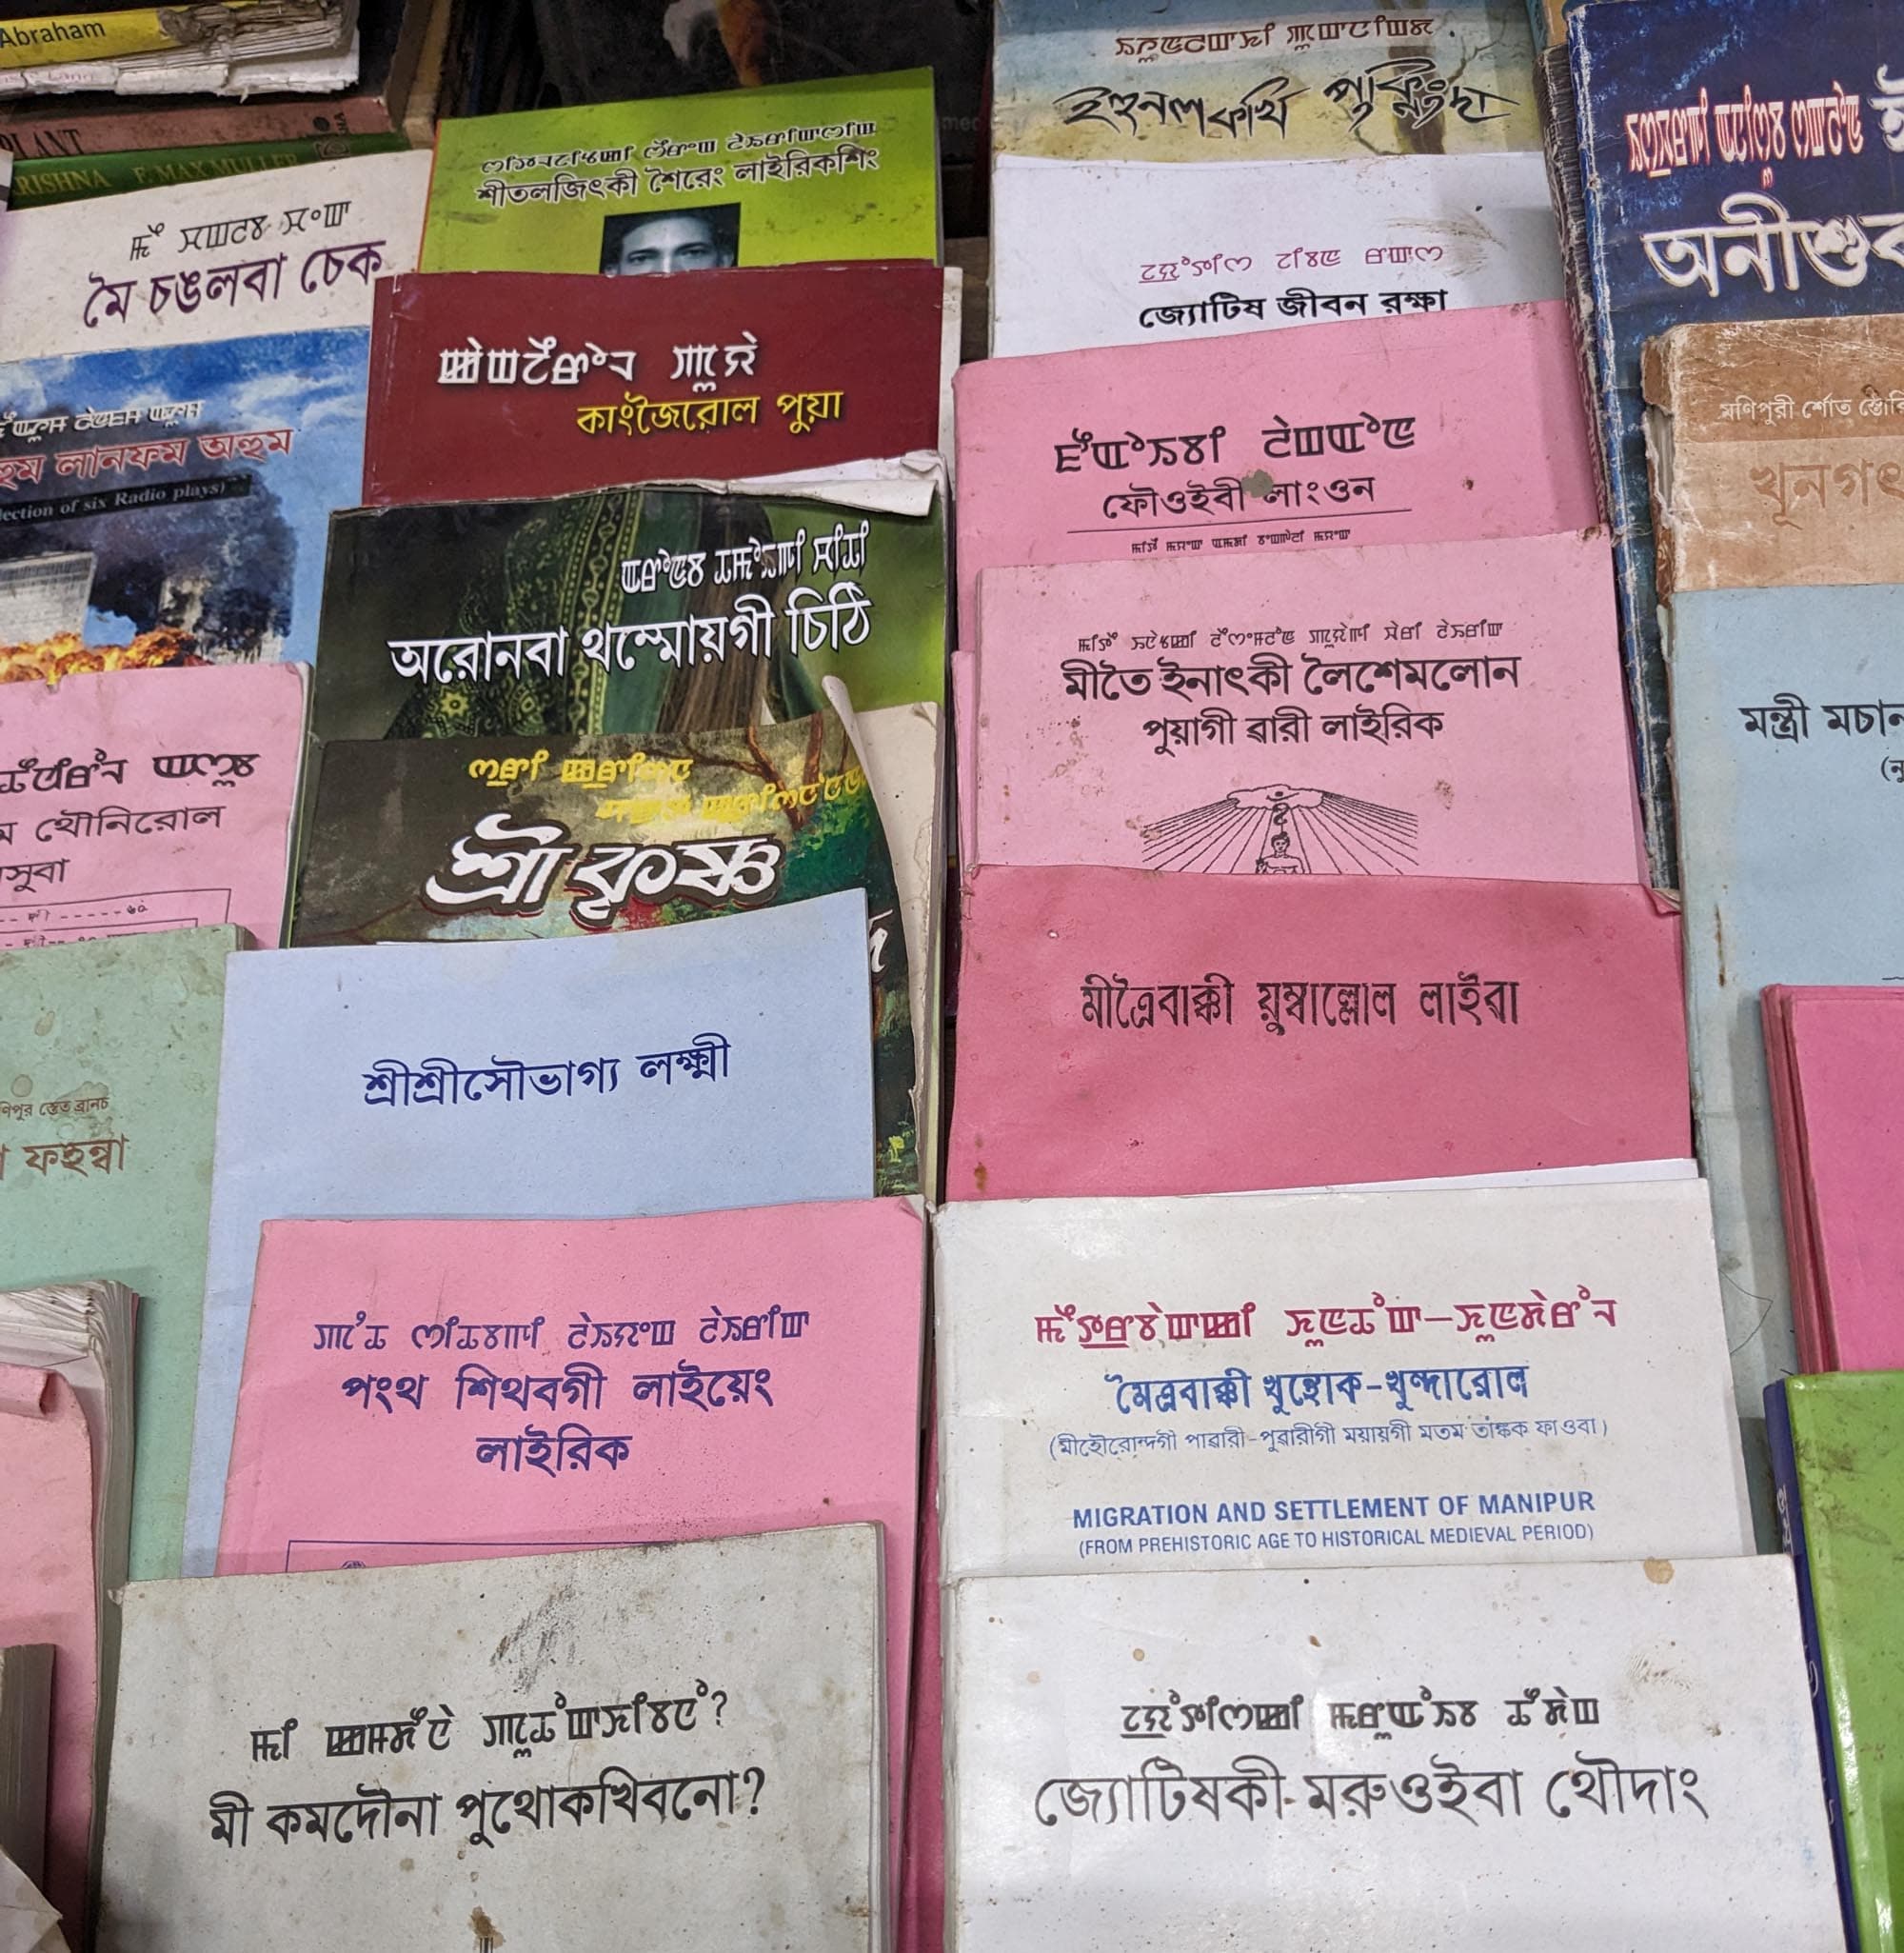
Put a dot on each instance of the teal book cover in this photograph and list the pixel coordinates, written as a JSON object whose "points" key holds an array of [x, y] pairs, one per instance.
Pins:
{"points": [[108, 1095]]}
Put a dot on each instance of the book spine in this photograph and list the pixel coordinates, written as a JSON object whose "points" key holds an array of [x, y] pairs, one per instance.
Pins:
{"points": [[39, 126], [40, 180], [1792, 1531], [102, 35]]}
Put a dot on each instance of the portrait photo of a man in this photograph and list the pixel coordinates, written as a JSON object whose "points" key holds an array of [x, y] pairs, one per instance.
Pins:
{"points": [[650, 244]]}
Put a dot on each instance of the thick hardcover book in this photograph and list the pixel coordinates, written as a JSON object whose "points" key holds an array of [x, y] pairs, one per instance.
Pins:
{"points": [[1358, 1378], [1846, 1434], [803, 174], [1451, 708], [109, 1051], [1214, 80], [1776, 451], [1739, 160], [1382, 236], [293, 252], [169, 506], [1122, 1032], [458, 840], [726, 1378], [535, 383], [1458, 1757], [627, 610], [1784, 724], [656, 1071], [1429, 429], [525, 1750]]}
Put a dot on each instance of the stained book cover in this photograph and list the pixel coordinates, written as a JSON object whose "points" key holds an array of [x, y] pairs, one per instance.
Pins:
{"points": [[454, 840], [624, 610], [168, 507], [1740, 160]]}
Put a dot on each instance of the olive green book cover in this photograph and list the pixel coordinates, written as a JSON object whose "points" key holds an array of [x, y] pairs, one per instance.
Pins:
{"points": [[109, 1096], [1848, 1446]]}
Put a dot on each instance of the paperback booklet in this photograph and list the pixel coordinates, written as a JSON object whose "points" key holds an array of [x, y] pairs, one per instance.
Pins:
{"points": [[1336, 1379], [538, 383], [122, 824], [1211, 81], [630, 609], [1429, 429], [1452, 1758], [455, 840], [295, 250], [800, 175], [1382, 236], [168, 507], [1131, 1033], [647, 1414], [109, 1051], [547, 1742], [1451, 708], [653, 1072]]}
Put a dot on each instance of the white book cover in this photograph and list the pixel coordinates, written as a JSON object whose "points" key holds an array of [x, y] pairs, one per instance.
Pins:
{"points": [[1124, 253], [590, 1752], [283, 250], [1595, 1759], [1335, 1379]]}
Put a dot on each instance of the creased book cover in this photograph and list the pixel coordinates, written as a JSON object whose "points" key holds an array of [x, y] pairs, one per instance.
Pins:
{"points": [[631, 610], [1382, 236], [1776, 449], [799, 175], [294, 250], [539, 384], [1741, 160], [170, 506], [457, 840], [1214, 80]]}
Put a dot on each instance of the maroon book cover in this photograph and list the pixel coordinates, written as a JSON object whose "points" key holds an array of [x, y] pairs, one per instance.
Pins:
{"points": [[487, 385]]}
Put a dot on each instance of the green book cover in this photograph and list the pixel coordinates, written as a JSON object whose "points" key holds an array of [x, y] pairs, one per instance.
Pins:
{"points": [[108, 1095], [1848, 1446], [39, 180], [843, 169]]}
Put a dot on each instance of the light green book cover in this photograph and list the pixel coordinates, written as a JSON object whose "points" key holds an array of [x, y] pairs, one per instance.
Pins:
{"points": [[1848, 1444], [108, 1101], [815, 172]]}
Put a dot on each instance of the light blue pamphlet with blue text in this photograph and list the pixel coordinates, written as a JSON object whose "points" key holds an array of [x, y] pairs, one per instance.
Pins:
{"points": [[661, 1071]]}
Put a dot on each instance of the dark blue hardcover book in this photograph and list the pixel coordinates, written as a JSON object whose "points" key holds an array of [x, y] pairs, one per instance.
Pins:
{"points": [[1792, 1530], [1740, 159]]}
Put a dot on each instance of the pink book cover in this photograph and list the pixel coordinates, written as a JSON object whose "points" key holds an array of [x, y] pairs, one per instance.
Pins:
{"points": [[423, 1391], [1444, 708], [47, 1596], [163, 799], [1443, 427], [1126, 1032], [1845, 1051]]}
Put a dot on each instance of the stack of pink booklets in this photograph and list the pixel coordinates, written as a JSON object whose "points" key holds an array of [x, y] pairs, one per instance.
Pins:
{"points": [[1837, 1063]]}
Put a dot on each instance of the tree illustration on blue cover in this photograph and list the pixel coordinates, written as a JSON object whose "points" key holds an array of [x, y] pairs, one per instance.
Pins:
{"points": [[1285, 830]]}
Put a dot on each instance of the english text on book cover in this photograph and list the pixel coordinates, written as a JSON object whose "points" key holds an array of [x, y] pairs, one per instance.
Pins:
{"points": [[1444, 427], [170, 506], [1448, 709], [155, 800], [1211, 81], [457, 840], [653, 1071], [799, 175], [1123, 1032], [624, 610], [505, 385], [1335, 1379], [291, 250], [1380, 237]]}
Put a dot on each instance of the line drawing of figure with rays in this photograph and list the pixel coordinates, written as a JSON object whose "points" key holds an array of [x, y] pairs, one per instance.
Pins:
{"points": [[1285, 830]]}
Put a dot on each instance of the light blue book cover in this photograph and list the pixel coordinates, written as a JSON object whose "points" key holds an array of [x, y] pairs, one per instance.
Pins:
{"points": [[661, 1071], [1788, 745]]}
